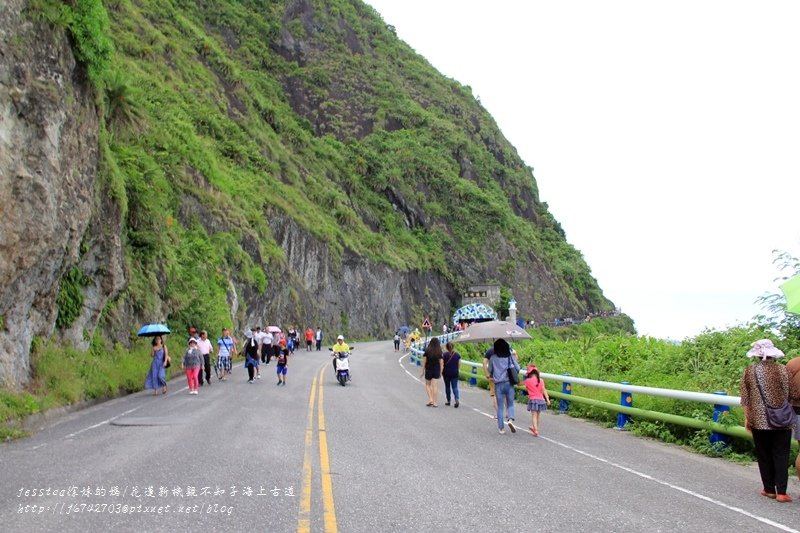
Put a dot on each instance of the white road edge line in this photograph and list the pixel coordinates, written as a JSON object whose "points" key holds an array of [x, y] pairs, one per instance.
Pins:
{"points": [[106, 421], [648, 477], [676, 487], [405, 370]]}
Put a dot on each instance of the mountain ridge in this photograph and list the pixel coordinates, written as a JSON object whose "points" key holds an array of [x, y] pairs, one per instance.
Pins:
{"points": [[274, 161]]}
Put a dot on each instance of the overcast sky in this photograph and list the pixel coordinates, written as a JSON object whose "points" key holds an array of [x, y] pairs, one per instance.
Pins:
{"points": [[663, 136]]}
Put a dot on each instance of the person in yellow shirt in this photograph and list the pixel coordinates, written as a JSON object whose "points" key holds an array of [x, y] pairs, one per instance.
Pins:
{"points": [[340, 346]]}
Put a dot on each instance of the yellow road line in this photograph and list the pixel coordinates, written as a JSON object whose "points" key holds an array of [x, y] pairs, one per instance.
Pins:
{"points": [[304, 516], [329, 510]]}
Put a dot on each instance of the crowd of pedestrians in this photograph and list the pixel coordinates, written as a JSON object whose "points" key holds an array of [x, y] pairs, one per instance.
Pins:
{"points": [[769, 391], [499, 362], [259, 347]]}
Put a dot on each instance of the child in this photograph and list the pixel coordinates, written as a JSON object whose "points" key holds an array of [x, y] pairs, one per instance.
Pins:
{"points": [[283, 361], [192, 361], [538, 399]]}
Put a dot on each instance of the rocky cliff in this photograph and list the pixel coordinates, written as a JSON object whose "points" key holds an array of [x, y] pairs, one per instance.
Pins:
{"points": [[238, 162], [48, 165]]}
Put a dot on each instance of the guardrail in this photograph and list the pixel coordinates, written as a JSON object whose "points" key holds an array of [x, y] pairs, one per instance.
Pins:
{"points": [[625, 410]]}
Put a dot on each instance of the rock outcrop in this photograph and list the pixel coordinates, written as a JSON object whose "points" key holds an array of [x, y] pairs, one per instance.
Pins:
{"points": [[359, 297], [48, 167]]}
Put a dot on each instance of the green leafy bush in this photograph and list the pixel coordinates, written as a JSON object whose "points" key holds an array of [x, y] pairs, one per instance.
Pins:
{"points": [[70, 297]]}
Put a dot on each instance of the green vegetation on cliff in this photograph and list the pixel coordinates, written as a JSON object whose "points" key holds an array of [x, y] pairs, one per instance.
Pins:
{"points": [[223, 114]]}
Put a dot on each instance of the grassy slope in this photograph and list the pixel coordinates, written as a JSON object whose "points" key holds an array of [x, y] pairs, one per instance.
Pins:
{"points": [[209, 81]]}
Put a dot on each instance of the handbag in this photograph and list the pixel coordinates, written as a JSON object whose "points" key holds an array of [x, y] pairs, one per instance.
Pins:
{"points": [[513, 372], [167, 361], [777, 417]]}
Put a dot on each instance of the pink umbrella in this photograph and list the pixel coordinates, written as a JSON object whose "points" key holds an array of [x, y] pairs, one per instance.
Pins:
{"points": [[274, 329]]}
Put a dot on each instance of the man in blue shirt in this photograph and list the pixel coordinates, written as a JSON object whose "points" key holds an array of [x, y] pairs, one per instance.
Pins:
{"points": [[227, 349]]}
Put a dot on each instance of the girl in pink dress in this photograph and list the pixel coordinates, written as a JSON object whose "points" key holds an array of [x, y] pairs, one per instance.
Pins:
{"points": [[538, 399]]}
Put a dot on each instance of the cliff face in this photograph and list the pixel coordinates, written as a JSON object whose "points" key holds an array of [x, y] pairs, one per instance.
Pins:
{"points": [[359, 296], [48, 169], [238, 163]]}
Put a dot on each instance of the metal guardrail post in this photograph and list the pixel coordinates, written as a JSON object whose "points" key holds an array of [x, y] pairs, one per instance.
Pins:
{"points": [[719, 411], [626, 400], [566, 388], [473, 380]]}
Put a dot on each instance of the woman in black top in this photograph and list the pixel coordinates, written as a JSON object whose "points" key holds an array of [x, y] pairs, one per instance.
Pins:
{"points": [[251, 356], [432, 365], [452, 359]]}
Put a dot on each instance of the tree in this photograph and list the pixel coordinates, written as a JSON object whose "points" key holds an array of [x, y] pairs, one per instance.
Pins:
{"points": [[502, 304], [786, 324]]}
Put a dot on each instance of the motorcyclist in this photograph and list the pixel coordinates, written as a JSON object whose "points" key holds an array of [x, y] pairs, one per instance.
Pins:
{"points": [[340, 346]]}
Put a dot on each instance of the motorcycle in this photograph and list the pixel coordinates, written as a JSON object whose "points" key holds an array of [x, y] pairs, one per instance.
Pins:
{"points": [[342, 366]]}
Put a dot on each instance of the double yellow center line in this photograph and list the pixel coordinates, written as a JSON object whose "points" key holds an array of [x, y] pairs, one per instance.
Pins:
{"points": [[328, 509]]}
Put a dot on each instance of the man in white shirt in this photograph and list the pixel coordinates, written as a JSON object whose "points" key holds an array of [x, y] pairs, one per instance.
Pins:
{"points": [[266, 346], [204, 345]]}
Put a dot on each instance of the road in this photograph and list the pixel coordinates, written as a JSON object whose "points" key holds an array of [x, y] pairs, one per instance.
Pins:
{"points": [[315, 456]]}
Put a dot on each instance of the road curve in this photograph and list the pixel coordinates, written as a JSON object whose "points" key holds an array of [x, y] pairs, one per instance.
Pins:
{"points": [[315, 456]]}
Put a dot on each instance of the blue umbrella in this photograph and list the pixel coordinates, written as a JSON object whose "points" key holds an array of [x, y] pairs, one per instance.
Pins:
{"points": [[404, 330], [153, 330]]}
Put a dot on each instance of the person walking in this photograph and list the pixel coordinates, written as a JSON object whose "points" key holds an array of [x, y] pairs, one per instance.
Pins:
{"points": [[309, 338], [251, 356], [319, 339], [204, 345], [486, 357], [793, 367], [277, 337], [192, 361], [156, 377], [397, 341], [260, 336], [452, 362], [765, 384], [192, 331], [227, 349], [432, 364], [538, 399], [500, 362], [282, 364], [266, 347]]}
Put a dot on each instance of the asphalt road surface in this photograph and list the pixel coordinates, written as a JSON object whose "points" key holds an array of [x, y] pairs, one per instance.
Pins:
{"points": [[368, 457]]}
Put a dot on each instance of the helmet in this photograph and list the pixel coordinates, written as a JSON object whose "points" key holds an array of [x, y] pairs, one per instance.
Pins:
{"points": [[340, 338]]}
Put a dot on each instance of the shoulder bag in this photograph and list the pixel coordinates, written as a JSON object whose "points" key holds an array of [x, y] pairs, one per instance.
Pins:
{"points": [[513, 372], [777, 417]]}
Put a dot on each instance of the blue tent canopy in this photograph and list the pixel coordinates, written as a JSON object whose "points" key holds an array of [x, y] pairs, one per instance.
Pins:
{"points": [[474, 311]]}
